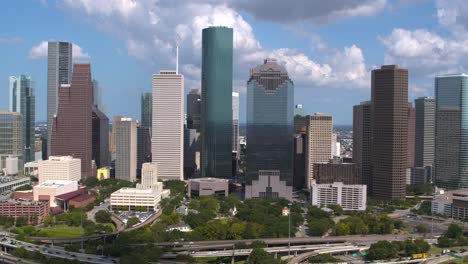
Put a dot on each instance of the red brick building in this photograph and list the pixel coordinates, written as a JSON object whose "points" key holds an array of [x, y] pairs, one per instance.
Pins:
{"points": [[25, 209]]}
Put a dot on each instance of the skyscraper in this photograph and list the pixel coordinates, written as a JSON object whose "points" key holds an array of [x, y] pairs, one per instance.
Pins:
{"points": [[217, 46], [72, 126], [451, 133], [318, 145], [97, 96], [11, 137], [112, 143], [425, 131], [270, 109], [194, 110], [411, 135], [100, 138], [143, 147], [126, 149], [235, 124], [146, 112], [167, 140], [59, 71], [22, 100], [362, 141], [389, 121]]}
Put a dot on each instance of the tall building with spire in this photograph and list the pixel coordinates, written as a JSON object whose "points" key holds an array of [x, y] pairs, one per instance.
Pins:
{"points": [[59, 71], [270, 121], [216, 153], [22, 100]]}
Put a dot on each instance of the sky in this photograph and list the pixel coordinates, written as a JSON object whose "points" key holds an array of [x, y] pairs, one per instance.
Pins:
{"points": [[328, 47]]}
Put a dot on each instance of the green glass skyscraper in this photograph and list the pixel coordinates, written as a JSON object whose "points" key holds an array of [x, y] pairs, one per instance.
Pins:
{"points": [[216, 159]]}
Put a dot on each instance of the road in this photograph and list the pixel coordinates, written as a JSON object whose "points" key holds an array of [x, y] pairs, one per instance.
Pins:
{"points": [[443, 258], [104, 206], [302, 257]]}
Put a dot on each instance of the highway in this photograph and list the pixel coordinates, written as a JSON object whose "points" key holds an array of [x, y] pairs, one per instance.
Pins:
{"points": [[302, 257]]}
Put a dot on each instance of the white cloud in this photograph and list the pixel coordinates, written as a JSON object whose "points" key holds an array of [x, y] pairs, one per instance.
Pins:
{"points": [[150, 30], [13, 40], [40, 51]]}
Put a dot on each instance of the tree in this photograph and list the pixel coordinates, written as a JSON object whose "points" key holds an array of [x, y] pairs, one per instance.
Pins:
{"points": [[341, 229], [103, 216], [421, 228], [337, 210], [260, 256], [324, 258], [236, 230], [132, 221], [381, 250], [454, 231]]}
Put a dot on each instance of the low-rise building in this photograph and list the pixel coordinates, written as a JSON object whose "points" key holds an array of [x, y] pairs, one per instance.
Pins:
{"points": [[30, 210], [81, 200], [10, 183], [31, 169], [268, 185], [47, 191], [351, 197], [182, 227], [208, 186], [444, 203], [132, 198], [60, 168]]}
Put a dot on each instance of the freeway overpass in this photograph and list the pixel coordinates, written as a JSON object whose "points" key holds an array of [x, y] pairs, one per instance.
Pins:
{"points": [[302, 257]]}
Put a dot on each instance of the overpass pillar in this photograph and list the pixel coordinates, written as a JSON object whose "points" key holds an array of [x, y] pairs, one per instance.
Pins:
{"points": [[295, 253], [276, 255], [232, 260]]}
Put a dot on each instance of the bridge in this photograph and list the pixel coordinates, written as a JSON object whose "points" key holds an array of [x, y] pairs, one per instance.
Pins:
{"points": [[302, 257]]}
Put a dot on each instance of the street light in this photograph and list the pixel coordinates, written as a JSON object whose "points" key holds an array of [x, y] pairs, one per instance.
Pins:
{"points": [[289, 231]]}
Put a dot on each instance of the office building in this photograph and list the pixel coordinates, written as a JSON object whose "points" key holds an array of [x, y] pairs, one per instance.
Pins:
{"points": [[425, 131], [167, 140], [143, 147], [11, 137], [194, 110], [59, 71], [112, 142], [444, 203], [336, 146], [10, 183], [389, 121], [11, 166], [299, 161], [22, 100], [336, 171], [146, 110], [362, 141], [191, 148], [268, 185], [28, 209], [100, 138], [318, 143], [46, 191], [126, 149], [460, 207], [300, 119], [420, 175], [349, 197], [149, 175], [59, 168], [451, 153], [130, 199], [216, 154], [97, 96], [411, 135], [72, 131], [270, 121], [208, 186], [235, 124]]}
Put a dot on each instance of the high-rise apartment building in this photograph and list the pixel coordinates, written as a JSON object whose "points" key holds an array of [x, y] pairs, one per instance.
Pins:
{"points": [[167, 140], [235, 124], [389, 121], [126, 149], [22, 100], [270, 109], [318, 144], [425, 131], [72, 126], [411, 135], [11, 137], [451, 133], [146, 110], [216, 155], [194, 110], [59, 71], [100, 138], [362, 141]]}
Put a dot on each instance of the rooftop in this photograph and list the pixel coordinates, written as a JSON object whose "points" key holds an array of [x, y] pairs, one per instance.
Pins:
{"points": [[136, 191], [55, 183], [59, 158], [209, 180], [449, 195], [7, 179]]}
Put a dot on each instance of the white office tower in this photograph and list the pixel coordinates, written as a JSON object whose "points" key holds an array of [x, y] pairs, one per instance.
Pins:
{"points": [[149, 175], [336, 146], [235, 124], [11, 165], [125, 149], [59, 168], [351, 197], [167, 140]]}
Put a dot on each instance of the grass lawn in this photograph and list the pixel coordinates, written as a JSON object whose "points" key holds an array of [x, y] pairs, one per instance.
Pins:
{"points": [[63, 231]]}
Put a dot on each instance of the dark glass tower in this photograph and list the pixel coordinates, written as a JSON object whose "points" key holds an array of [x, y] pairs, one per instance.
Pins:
{"points": [[362, 142], [270, 121], [100, 138], [217, 45], [146, 110], [194, 109]]}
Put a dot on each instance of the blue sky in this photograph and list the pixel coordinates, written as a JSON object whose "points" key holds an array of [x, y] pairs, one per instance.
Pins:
{"points": [[328, 49]]}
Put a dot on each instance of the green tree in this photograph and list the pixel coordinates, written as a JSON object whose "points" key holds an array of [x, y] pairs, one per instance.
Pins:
{"points": [[454, 231], [421, 228], [324, 258], [103, 216], [341, 229], [337, 210], [236, 230], [132, 221], [382, 250], [260, 256]]}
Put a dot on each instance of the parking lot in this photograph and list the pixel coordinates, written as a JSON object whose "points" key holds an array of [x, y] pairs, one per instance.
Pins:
{"points": [[142, 216]]}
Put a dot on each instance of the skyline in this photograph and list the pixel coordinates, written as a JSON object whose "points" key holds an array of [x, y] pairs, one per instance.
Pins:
{"points": [[327, 50]]}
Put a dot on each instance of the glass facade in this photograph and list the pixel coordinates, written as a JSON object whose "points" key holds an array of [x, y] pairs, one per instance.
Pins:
{"points": [[270, 121], [451, 142], [11, 136], [217, 45], [22, 100], [146, 110]]}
